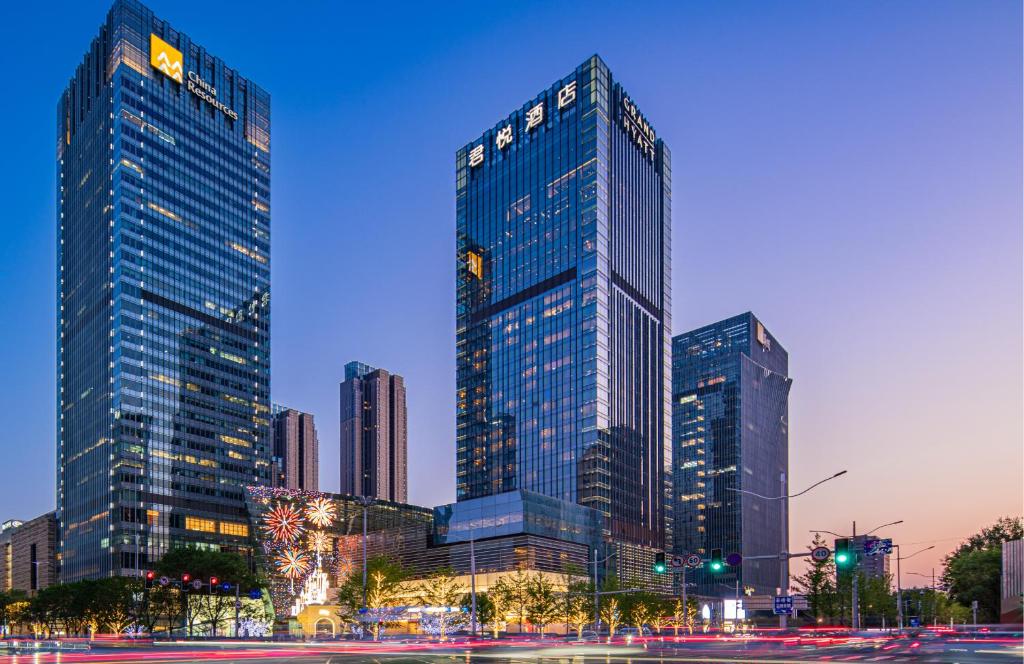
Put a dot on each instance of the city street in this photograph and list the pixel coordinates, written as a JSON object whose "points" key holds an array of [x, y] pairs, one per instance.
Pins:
{"points": [[925, 648]]}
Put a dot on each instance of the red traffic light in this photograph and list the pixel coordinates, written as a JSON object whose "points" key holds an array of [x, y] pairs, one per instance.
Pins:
{"points": [[150, 576], [213, 580], [186, 577]]}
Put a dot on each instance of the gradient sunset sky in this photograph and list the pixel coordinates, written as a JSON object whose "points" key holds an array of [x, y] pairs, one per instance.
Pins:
{"points": [[849, 171]]}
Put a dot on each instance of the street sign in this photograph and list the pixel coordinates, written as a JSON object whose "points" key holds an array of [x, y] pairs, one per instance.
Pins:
{"points": [[164, 580], [915, 622], [878, 547], [783, 606], [820, 554], [734, 560], [677, 562], [197, 583], [693, 561]]}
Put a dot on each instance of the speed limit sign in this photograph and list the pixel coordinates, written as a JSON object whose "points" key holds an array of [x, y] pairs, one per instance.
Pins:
{"points": [[693, 561], [820, 554], [676, 562]]}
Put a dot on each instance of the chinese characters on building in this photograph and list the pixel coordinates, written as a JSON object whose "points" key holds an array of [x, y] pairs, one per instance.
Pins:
{"points": [[534, 118]]}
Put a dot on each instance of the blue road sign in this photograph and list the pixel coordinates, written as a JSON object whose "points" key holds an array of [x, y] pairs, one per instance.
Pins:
{"points": [[878, 547], [783, 605]]}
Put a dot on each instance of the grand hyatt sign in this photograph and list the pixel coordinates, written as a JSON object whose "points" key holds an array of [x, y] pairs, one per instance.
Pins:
{"points": [[169, 61]]}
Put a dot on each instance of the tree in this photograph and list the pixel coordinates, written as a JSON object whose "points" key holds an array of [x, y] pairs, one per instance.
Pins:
{"points": [[114, 602], [207, 606], [817, 583], [485, 613], [972, 570], [443, 591], [611, 614], [579, 613], [542, 603], [512, 592], [384, 589], [640, 614], [974, 576], [11, 605]]}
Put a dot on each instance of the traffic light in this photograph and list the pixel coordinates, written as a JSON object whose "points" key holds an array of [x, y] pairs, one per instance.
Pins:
{"points": [[213, 582], [186, 577], [659, 563], [150, 575], [843, 555], [717, 564]]}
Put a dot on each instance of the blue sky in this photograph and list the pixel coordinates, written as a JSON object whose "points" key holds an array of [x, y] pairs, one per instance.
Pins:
{"points": [[850, 171]]}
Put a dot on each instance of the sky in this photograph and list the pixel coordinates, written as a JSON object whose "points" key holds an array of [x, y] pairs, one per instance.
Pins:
{"points": [[849, 171]]}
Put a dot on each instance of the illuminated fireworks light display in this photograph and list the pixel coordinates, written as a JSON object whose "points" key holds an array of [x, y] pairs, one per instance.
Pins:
{"points": [[293, 563], [284, 524], [294, 559], [320, 512]]}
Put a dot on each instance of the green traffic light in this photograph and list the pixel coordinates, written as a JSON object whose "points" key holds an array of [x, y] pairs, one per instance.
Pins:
{"points": [[659, 568], [716, 566], [842, 558]]}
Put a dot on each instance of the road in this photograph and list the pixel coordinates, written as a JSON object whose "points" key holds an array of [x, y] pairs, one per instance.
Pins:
{"points": [[711, 650]]}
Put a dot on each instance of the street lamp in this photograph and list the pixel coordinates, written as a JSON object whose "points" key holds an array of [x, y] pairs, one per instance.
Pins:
{"points": [[899, 581], [597, 594], [365, 501], [784, 551]]}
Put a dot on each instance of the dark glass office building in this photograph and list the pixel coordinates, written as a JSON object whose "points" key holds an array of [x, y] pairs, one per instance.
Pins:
{"points": [[730, 403], [563, 305], [163, 159]]}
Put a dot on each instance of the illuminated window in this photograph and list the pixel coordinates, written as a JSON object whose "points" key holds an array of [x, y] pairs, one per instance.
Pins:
{"points": [[202, 525], [230, 528]]}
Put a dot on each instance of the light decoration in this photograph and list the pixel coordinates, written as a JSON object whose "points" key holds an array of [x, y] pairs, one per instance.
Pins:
{"points": [[284, 523], [292, 563], [301, 545], [320, 512], [319, 542]]}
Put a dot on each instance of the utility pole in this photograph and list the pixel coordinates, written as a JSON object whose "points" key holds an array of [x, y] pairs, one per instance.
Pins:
{"points": [[686, 606], [856, 578], [472, 585], [597, 599], [238, 606], [365, 501], [784, 551]]}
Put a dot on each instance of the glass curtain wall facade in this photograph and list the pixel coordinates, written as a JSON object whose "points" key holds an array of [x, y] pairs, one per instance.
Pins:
{"points": [[563, 299], [730, 404], [163, 160]]}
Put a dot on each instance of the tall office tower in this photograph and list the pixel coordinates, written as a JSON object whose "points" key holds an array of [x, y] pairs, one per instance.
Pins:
{"points": [[730, 404], [373, 434], [563, 305], [296, 450], [163, 351]]}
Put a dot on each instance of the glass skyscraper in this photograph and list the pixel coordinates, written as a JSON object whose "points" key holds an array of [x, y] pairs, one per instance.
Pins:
{"points": [[730, 405], [563, 305], [163, 155]]}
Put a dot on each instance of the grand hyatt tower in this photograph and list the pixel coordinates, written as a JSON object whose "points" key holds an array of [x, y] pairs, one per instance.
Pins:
{"points": [[163, 157], [563, 306]]}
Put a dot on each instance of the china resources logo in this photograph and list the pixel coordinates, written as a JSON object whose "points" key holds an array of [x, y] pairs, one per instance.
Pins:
{"points": [[165, 57]]}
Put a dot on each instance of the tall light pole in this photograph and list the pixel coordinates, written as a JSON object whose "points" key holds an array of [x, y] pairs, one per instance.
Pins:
{"points": [[365, 501], [784, 550], [899, 582], [597, 593], [855, 582]]}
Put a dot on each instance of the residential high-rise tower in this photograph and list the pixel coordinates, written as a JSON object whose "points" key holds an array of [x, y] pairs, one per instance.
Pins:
{"points": [[730, 430], [163, 156], [563, 305], [373, 434], [296, 450]]}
